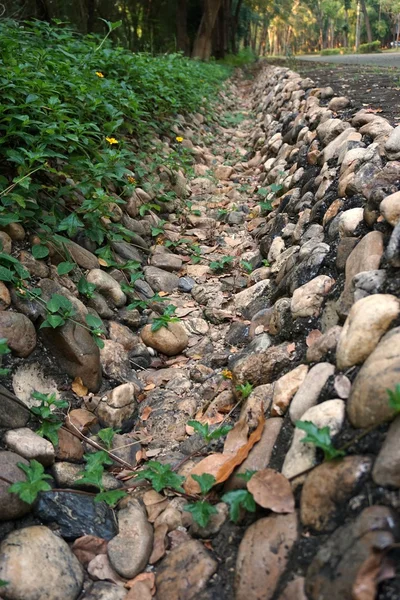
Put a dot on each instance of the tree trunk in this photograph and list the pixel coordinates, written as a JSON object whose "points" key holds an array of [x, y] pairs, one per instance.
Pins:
{"points": [[234, 27], [367, 21], [203, 43], [182, 38], [90, 9]]}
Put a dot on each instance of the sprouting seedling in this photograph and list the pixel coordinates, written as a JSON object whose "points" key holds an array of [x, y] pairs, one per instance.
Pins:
{"points": [[36, 481], [161, 476], [247, 266], [220, 265], [202, 510], [158, 229], [394, 398], [4, 349], [245, 389], [239, 499], [59, 309], [85, 288], [50, 421], [320, 438], [207, 435], [165, 319]]}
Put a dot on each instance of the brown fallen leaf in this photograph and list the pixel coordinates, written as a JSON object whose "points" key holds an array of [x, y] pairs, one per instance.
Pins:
{"points": [[147, 410], [155, 504], [149, 387], [78, 388], [100, 569], [102, 262], [272, 490], [87, 547], [148, 578], [373, 570], [312, 337], [237, 437], [210, 464], [159, 543]]}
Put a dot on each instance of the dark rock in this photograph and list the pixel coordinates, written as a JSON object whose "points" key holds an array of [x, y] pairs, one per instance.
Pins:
{"points": [[344, 249], [186, 284], [127, 252], [76, 515], [13, 414], [238, 334]]}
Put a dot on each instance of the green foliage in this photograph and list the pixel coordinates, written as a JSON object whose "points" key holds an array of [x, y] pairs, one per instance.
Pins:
{"points": [[205, 481], [220, 265], [85, 288], [245, 389], [110, 497], [247, 475], [3, 583], [107, 435], [370, 47], [394, 398], [247, 266], [50, 421], [267, 196], [95, 326], [65, 267], [35, 482], [161, 476], [330, 51], [204, 430], [165, 319], [239, 499], [319, 437], [201, 511], [4, 349], [159, 229], [196, 253], [244, 57], [59, 309]]}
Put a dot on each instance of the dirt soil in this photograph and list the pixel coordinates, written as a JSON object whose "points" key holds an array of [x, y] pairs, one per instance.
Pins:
{"points": [[367, 86]]}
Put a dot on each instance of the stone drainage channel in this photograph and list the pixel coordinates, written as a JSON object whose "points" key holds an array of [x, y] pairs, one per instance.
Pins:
{"points": [[299, 324]]}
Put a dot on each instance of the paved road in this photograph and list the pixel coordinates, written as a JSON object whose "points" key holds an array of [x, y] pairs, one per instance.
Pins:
{"points": [[390, 59]]}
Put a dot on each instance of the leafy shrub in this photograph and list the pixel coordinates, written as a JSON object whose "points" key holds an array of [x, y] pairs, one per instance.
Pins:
{"points": [[370, 48], [330, 51], [245, 56]]}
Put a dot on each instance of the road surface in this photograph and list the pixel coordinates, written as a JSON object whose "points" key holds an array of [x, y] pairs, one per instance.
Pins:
{"points": [[389, 59]]}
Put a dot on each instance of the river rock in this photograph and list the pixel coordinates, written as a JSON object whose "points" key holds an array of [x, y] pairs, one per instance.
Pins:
{"points": [[309, 391], [338, 103], [324, 344], [294, 590], [68, 475], [69, 447], [286, 387], [328, 487], [334, 569], [107, 286], [390, 208], [13, 413], [368, 403], [331, 128], [117, 408], [49, 569], [130, 550], [170, 340], [37, 268], [302, 456], [349, 220], [307, 299], [28, 444], [123, 335], [104, 590], [386, 470], [160, 280], [263, 556], [184, 572], [11, 507], [392, 144], [368, 320], [19, 332], [166, 261], [259, 362], [115, 361], [81, 256]]}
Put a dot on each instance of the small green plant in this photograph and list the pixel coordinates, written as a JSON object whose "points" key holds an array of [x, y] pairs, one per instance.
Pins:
{"points": [[321, 438], [221, 214], [4, 349], [239, 499], [63, 268], [50, 421], [95, 326], [247, 266], [36, 481], [158, 229], [85, 288], [3, 583], [204, 430], [148, 207], [266, 263], [165, 319], [245, 389], [161, 476], [394, 398], [59, 309], [196, 253], [202, 510], [220, 265], [267, 196]]}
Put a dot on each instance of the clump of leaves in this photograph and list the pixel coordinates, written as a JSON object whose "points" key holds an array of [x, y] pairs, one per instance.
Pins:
{"points": [[196, 253], [207, 435], [95, 326], [59, 309], [247, 266], [50, 420], [202, 510], [36, 481], [165, 319], [394, 398], [158, 229], [267, 195], [321, 438], [161, 476], [4, 349], [222, 264], [85, 288], [238, 499], [245, 389]]}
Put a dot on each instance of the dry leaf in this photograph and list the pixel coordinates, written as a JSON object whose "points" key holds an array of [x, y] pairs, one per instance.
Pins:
{"points": [[162, 294], [210, 464], [102, 262], [236, 437], [87, 547], [147, 410], [159, 543], [155, 504], [272, 490], [312, 337], [370, 574], [100, 569], [78, 388], [149, 387]]}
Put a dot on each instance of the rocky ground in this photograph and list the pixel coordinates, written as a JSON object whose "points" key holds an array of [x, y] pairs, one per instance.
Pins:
{"points": [[301, 190]]}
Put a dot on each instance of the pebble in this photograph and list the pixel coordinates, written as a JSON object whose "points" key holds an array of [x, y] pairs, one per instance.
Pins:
{"points": [[324, 344], [307, 299], [19, 332], [67, 475], [302, 456], [186, 284], [28, 444], [50, 570], [390, 208], [13, 414], [76, 515], [285, 388], [115, 362], [328, 488], [69, 447], [160, 280], [368, 320], [294, 590], [166, 261], [107, 286], [257, 365], [103, 590], [117, 408], [392, 144], [368, 403], [5, 298], [170, 340], [11, 506], [263, 556], [123, 335], [130, 550], [386, 471], [184, 572], [310, 389]]}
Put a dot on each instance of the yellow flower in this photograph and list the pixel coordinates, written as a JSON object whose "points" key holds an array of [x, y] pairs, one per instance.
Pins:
{"points": [[226, 374], [131, 179], [99, 74], [112, 140], [179, 139]]}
